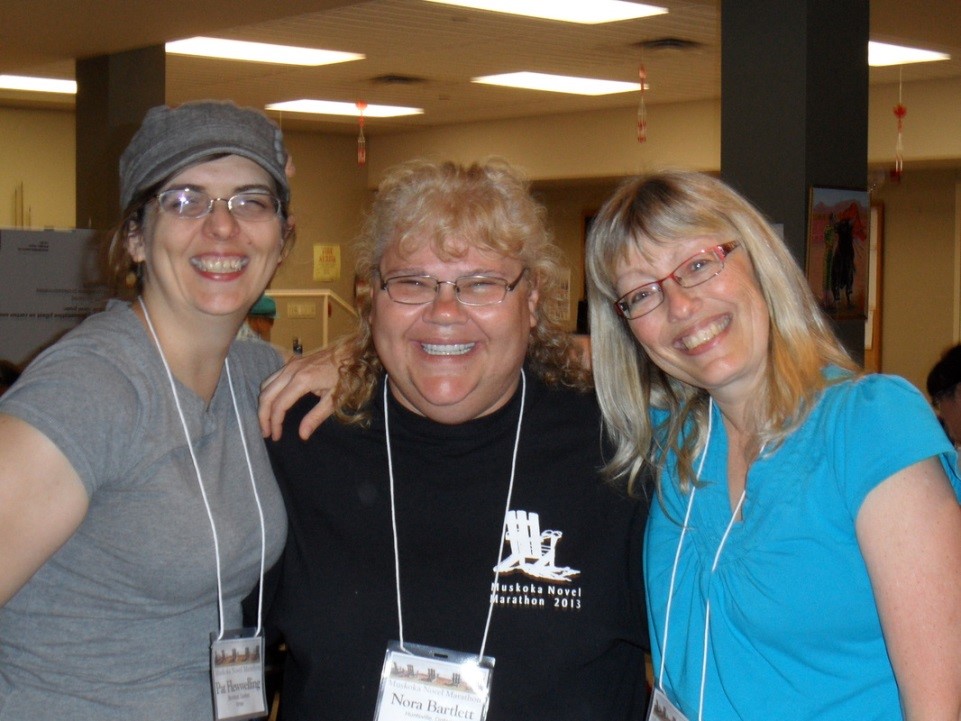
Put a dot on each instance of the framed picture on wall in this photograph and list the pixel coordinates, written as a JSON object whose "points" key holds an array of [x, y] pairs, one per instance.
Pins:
{"points": [[872, 325], [838, 249]]}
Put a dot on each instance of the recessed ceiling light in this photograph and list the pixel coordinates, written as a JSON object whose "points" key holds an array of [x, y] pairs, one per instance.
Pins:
{"points": [[38, 85], [570, 11], [258, 52], [330, 107], [881, 54], [558, 83]]}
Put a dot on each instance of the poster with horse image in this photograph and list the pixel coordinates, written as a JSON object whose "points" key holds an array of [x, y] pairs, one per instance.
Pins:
{"points": [[837, 250]]}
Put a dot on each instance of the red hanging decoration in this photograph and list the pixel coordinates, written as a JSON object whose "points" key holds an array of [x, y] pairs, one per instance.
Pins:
{"points": [[899, 112], [361, 140], [641, 108]]}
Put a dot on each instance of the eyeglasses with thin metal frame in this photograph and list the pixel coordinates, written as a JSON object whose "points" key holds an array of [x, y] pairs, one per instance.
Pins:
{"points": [[256, 205], [471, 290], [699, 268]]}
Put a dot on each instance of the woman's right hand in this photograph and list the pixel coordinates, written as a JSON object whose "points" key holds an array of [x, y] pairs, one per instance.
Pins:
{"points": [[314, 373]]}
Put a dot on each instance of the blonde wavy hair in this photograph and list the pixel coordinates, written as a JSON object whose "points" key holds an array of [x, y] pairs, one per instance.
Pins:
{"points": [[669, 207], [489, 205]]}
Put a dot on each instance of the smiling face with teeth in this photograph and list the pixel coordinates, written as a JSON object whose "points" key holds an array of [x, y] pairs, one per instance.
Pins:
{"points": [[213, 266], [713, 336], [448, 361]]}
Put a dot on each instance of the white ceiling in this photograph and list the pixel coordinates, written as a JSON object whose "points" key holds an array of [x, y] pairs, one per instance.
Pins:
{"points": [[441, 47]]}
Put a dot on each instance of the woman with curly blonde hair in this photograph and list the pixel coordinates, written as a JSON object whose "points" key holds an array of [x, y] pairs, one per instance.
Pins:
{"points": [[442, 205], [456, 500]]}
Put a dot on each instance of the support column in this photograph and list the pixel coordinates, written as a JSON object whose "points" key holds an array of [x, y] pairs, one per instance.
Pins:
{"points": [[113, 94], [794, 105]]}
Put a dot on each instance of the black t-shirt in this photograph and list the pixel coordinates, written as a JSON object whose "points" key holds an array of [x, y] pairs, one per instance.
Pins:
{"points": [[568, 631]]}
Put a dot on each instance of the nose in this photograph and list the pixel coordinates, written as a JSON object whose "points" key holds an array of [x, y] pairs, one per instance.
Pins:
{"points": [[680, 301], [220, 221], [445, 308]]}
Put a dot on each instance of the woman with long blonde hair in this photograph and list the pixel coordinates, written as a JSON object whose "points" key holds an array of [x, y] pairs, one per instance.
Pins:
{"points": [[803, 556]]}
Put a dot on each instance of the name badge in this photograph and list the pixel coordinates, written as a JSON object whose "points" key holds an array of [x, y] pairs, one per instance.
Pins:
{"points": [[661, 708], [237, 675], [433, 684]]}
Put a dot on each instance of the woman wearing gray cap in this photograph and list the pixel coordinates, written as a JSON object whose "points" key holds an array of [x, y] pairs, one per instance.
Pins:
{"points": [[137, 504]]}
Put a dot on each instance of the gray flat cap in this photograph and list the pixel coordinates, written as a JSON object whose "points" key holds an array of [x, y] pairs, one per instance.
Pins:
{"points": [[170, 139]]}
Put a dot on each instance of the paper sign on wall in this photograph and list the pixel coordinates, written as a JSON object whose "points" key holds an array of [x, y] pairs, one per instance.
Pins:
{"points": [[326, 262], [49, 282]]}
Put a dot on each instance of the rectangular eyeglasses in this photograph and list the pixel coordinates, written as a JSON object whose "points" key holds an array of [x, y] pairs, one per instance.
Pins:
{"points": [[472, 290], [699, 268]]}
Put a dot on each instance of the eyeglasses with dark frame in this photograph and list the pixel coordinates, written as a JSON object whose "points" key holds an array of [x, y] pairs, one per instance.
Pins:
{"points": [[470, 290], [256, 205], [699, 268]]}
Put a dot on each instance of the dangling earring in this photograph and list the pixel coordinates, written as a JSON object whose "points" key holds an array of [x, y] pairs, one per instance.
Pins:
{"points": [[134, 276]]}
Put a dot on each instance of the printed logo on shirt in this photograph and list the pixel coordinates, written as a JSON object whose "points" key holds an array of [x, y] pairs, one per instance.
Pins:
{"points": [[533, 553]]}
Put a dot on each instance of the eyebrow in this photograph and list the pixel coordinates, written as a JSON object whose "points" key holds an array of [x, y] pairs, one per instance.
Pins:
{"points": [[248, 188], [489, 272]]}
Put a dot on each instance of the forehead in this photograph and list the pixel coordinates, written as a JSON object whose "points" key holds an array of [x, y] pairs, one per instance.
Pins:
{"points": [[225, 169], [660, 256], [418, 250]]}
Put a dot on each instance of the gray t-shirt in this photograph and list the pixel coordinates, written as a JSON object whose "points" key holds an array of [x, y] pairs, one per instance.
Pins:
{"points": [[117, 623]]}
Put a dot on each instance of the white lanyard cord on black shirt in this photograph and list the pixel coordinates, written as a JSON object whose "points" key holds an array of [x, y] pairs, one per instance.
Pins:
{"points": [[200, 481], [393, 516]]}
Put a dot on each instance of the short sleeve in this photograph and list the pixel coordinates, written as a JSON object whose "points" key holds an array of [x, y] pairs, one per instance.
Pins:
{"points": [[85, 405], [881, 425]]}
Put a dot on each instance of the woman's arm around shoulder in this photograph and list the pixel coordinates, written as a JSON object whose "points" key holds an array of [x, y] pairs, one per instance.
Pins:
{"points": [[42, 502], [313, 373], [909, 530]]}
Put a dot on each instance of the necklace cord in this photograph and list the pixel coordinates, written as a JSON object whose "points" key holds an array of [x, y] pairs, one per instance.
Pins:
{"points": [[393, 516], [200, 482], [680, 543]]}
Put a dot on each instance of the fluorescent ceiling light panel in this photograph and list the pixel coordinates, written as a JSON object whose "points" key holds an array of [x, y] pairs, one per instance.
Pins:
{"points": [[330, 107], [258, 52], [558, 83], [586, 12], [881, 54], [38, 85]]}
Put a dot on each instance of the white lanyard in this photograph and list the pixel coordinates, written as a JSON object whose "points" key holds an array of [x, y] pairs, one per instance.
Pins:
{"points": [[677, 558], [393, 516], [200, 481]]}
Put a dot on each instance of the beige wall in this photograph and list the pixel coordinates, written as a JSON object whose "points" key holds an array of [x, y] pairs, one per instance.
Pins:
{"points": [[575, 146], [602, 144], [921, 263], [37, 149], [932, 126], [568, 206], [329, 193], [575, 161]]}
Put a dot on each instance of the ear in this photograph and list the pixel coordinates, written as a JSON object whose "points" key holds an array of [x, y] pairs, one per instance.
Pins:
{"points": [[287, 234], [533, 299], [135, 243]]}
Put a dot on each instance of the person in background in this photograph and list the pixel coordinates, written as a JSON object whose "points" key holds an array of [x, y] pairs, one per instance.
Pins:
{"points": [[260, 322], [943, 383], [455, 501], [9, 372], [260, 319], [803, 558], [137, 503]]}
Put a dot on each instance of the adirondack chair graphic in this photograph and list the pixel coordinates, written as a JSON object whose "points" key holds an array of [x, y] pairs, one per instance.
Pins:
{"points": [[532, 552]]}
